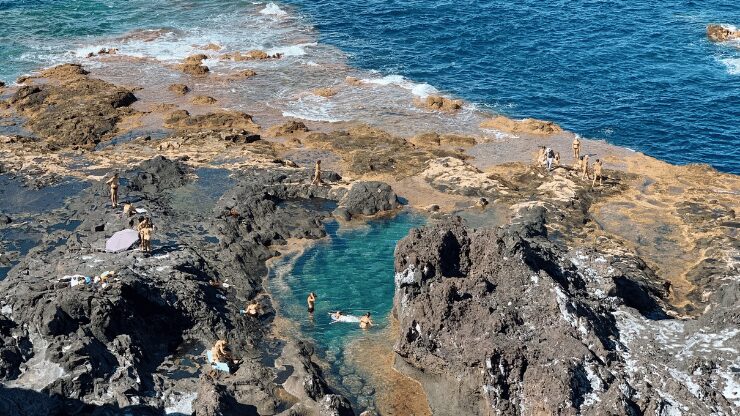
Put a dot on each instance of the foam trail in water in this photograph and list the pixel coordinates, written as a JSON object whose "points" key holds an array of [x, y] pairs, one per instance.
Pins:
{"points": [[312, 107], [732, 64], [421, 90]]}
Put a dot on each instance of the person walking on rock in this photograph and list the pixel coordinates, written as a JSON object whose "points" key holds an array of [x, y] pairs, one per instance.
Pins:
{"points": [[113, 183], [597, 173], [576, 148], [584, 167], [311, 300], [317, 174]]}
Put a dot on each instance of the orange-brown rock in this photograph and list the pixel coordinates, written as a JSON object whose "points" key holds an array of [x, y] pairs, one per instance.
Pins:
{"points": [[431, 140], [192, 65], [203, 100], [222, 120], [65, 72], [212, 47], [195, 59], [325, 92], [247, 73], [179, 89], [525, 126], [288, 128], [255, 54], [355, 82], [437, 102], [719, 33]]}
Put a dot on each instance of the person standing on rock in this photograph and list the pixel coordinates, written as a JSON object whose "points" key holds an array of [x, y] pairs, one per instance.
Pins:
{"points": [[597, 173], [540, 156], [113, 183], [584, 167], [145, 229], [311, 300], [576, 148], [317, 174], [557, 158], [365, 321], [550, 154]]}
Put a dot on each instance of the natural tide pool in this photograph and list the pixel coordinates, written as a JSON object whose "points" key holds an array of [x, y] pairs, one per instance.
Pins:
{"points": [[351, 270]]}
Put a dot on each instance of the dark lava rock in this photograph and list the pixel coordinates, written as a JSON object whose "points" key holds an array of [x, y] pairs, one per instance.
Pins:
{"points": [[158, 174], [369, 198], [506, 322], [5, 219]]}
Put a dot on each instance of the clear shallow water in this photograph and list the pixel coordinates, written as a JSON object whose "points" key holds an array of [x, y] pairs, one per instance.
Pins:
{"points": [[636, 73], [351, 271]]}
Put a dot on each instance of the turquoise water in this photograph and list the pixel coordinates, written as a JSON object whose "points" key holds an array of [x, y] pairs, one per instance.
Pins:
{"points": [[636, 73], [352, 271]]}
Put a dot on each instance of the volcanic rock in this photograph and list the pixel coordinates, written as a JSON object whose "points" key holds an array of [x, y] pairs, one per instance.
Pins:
{"points": [[203, 100], [179, 89]]}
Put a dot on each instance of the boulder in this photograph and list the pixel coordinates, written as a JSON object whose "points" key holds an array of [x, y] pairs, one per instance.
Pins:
{"points": [[221, 120], [203, 100], [370, 198], [325, 92], [438, 102], [179, 89], [721, 33]]}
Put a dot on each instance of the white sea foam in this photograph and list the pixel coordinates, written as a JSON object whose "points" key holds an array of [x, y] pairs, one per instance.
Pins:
{"points": [[291, 50], [732, 64], [421, 90], [183, 405], [273, 9], [312, 107]]}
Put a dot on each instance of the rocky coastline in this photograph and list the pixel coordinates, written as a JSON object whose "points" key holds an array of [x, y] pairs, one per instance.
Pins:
{"points": [[530, 292]]}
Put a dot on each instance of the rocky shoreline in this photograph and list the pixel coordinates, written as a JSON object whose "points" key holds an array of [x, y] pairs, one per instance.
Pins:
{"points": [[531, 292]]}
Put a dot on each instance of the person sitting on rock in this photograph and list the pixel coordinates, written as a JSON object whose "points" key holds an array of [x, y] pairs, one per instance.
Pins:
{"points": [[597, 173], [114, 182], [576, 148], [221, 354], [311, 300], [253, 309], [128, 210], [584, 167], [365, 321], [317, 174]]}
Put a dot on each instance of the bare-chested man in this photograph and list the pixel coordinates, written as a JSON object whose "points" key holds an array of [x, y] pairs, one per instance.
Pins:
{"points": [[576, 148], [146, 239], [317, 174], [584, 167], [113, 183], [365, 321], [597, 173], [311, 300]]}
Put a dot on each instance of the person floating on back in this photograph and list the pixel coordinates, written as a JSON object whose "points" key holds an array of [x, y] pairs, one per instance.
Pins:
{"points": [[584, 167], [597, 173], [311, 300], [113, 183], [317, 174], [365, 321], [576, 148]]}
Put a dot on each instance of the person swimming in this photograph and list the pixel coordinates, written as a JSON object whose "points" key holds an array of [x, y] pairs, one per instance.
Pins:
{"points": [[311, 300], [365, 321]]}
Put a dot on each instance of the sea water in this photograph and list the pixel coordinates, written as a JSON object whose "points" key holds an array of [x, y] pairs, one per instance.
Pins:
{"points": [[351, 270], [636, 73]]}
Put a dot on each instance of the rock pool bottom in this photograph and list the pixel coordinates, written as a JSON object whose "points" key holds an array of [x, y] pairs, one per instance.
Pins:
{"points": [[352, 271]]}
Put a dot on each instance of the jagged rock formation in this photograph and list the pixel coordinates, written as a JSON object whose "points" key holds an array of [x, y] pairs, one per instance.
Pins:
{"points": [[122, 347], [720, 33], [505, 321], [526, 126]]}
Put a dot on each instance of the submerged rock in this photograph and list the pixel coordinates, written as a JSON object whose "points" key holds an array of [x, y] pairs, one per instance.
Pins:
{"points": [[179, 89], [203, 100]]}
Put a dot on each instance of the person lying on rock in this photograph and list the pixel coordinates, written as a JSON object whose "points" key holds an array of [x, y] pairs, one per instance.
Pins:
{"points": [[365, 321], [317, 174], [114, 182], [311, 300], [598, 165]]}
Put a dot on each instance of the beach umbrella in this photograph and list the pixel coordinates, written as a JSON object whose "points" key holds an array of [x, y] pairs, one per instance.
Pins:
{"points": [[121, 240]]}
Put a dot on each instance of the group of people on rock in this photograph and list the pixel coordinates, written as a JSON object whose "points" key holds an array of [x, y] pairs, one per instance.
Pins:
{"points": [[547, 156], [144, 226]]}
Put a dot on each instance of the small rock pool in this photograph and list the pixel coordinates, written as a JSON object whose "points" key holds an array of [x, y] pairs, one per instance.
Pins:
{"points": [[351, 270]]}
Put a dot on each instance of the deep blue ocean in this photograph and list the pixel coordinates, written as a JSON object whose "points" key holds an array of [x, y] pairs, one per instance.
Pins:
{"points": [[636, 73]]}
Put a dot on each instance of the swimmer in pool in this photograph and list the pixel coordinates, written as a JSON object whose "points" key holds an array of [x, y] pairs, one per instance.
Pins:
{"points": [[365, 321]]}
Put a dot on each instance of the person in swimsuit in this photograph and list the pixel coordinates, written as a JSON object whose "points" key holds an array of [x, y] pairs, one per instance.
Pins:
{"points": [[365, 321], [597, 173], [584, 168], [113, 183], [576, 148], [317, 174]]}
